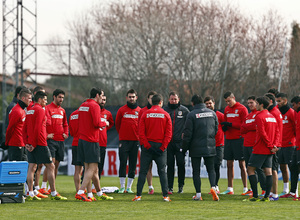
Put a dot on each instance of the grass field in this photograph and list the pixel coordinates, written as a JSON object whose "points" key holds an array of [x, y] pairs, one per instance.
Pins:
{"points": [[151, 206]]}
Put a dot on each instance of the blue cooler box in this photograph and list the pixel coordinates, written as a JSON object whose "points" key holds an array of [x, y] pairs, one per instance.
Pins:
{"points": [[13, 172]]}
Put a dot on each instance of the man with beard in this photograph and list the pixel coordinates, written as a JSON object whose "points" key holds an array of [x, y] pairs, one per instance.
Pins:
{"points": [[127, 127]]}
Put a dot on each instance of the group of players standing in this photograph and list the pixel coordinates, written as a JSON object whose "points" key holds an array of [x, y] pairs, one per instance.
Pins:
{"points": [[259, 140]]}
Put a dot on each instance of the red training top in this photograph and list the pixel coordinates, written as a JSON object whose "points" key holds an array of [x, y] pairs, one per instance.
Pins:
{"points": [[248, 129], [289, 129], [277, 114], [105, 116], [220, 134], [298, 130], [74, 127]]}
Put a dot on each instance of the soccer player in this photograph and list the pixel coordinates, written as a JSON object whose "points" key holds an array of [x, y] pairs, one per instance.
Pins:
{"points": [[178, 114], [288, 140], [149, 105], [57, 130], [210, 103], [266, 144], [234, 114], [126, 125], [199, 131], [155, 132], [36, 144], [88, 144], [14, 131], [248, 130]]}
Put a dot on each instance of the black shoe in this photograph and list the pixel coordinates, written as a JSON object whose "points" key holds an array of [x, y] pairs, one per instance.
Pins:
{"points": [[180, 190], [170, 191]]}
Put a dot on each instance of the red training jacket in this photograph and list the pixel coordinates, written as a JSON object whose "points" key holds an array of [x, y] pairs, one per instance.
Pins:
{"points": [[59, 123], [127, 123], [289, 129], [14, 131], [277, 114], [140, 116], [267, 133], [298, 130], [248, 129], [235, 115], [90, 121], [74, 127], [156, 125], [220, 134], [105, 116]]}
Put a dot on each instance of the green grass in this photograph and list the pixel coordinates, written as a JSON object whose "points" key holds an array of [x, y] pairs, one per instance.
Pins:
{"points": [[151, 206]]}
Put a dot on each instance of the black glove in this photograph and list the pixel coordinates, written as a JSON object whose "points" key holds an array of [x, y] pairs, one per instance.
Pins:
{"points": [[227, 124], [224, 128]]}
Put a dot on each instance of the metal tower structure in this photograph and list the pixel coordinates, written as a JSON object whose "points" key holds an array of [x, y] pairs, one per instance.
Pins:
{"points": [[19, 45]]}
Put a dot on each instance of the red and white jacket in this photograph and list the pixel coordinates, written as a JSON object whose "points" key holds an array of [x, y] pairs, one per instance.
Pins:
{"points": [[235, 115], [277, 114], [74, 127], [298, 130], [90, 121], [105, 116], [267, 133], [156, 126], [289, 129], [248, 129], [14, 131], [59, 123], [127, 123], [220, 134]]}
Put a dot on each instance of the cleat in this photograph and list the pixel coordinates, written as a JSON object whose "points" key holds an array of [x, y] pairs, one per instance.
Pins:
{"points": [[128, 190], [252, 199], [263, 192], [151, 191], [82, 197], [180, 190], [58, 197], [92, 198], [214, 194], [167, 199], [40, 195], [228, 192], [104, 197], [49, 191], [44, 191], [289, 195], [137, 198], [29, 198], [197, 198], [273, 199], [283, 193], [170, 191], [297, 199], [94, 191], [247, 193], [122, 190], [263, 199]]}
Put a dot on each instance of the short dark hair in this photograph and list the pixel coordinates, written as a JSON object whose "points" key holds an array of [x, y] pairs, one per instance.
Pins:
{"points": [[274, 91], [24, 92], [56, 92], [227, 94], [18, 89], [281, 95], [173, 93], [251, 97], [131, 91], [94, 91], [295, 99], [39, 95], [208, 98], [156, 99], [151, 93], [37, 88], [270, 96], [196, 99], [263, 100]]}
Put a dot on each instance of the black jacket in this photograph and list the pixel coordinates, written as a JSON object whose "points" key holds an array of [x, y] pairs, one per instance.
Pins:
{"points": [[178, 115], [199, 133]]}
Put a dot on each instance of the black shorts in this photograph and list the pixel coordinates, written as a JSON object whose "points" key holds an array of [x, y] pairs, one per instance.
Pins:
{"points": [[275, 163], [219, 155], [40, 155], [285, 155], [260, 161], [88, 152], [233, 149], [74, 157], [17, 153], [247, 154], [57, 149]]}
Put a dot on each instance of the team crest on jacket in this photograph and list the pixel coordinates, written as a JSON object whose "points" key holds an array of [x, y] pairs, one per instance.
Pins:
{"points": [[136, 113], [105, 116], [179, 112], [236, 111]]}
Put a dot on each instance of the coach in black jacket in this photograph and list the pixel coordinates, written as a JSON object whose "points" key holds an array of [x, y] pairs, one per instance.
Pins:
{"points": [[199, 138]]}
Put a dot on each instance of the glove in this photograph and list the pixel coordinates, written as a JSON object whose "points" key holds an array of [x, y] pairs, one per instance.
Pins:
{"points": [[224, 128], [227, 124]]}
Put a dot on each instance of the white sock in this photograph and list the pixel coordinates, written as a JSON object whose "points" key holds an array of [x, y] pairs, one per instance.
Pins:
{"points": [[151, 187], [198, 195], [26, 188], [48, 187], [99, 193], [129, 183], [286, 187], [230, 189], [53, 193], [271, 194], [37, 187], [80, 192], [31, 193], [292, 193], [217, 188], [93, 186], [214, 188], [44, 185], [35, 192], [122, 181], [90, 195], [275, 195]]}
